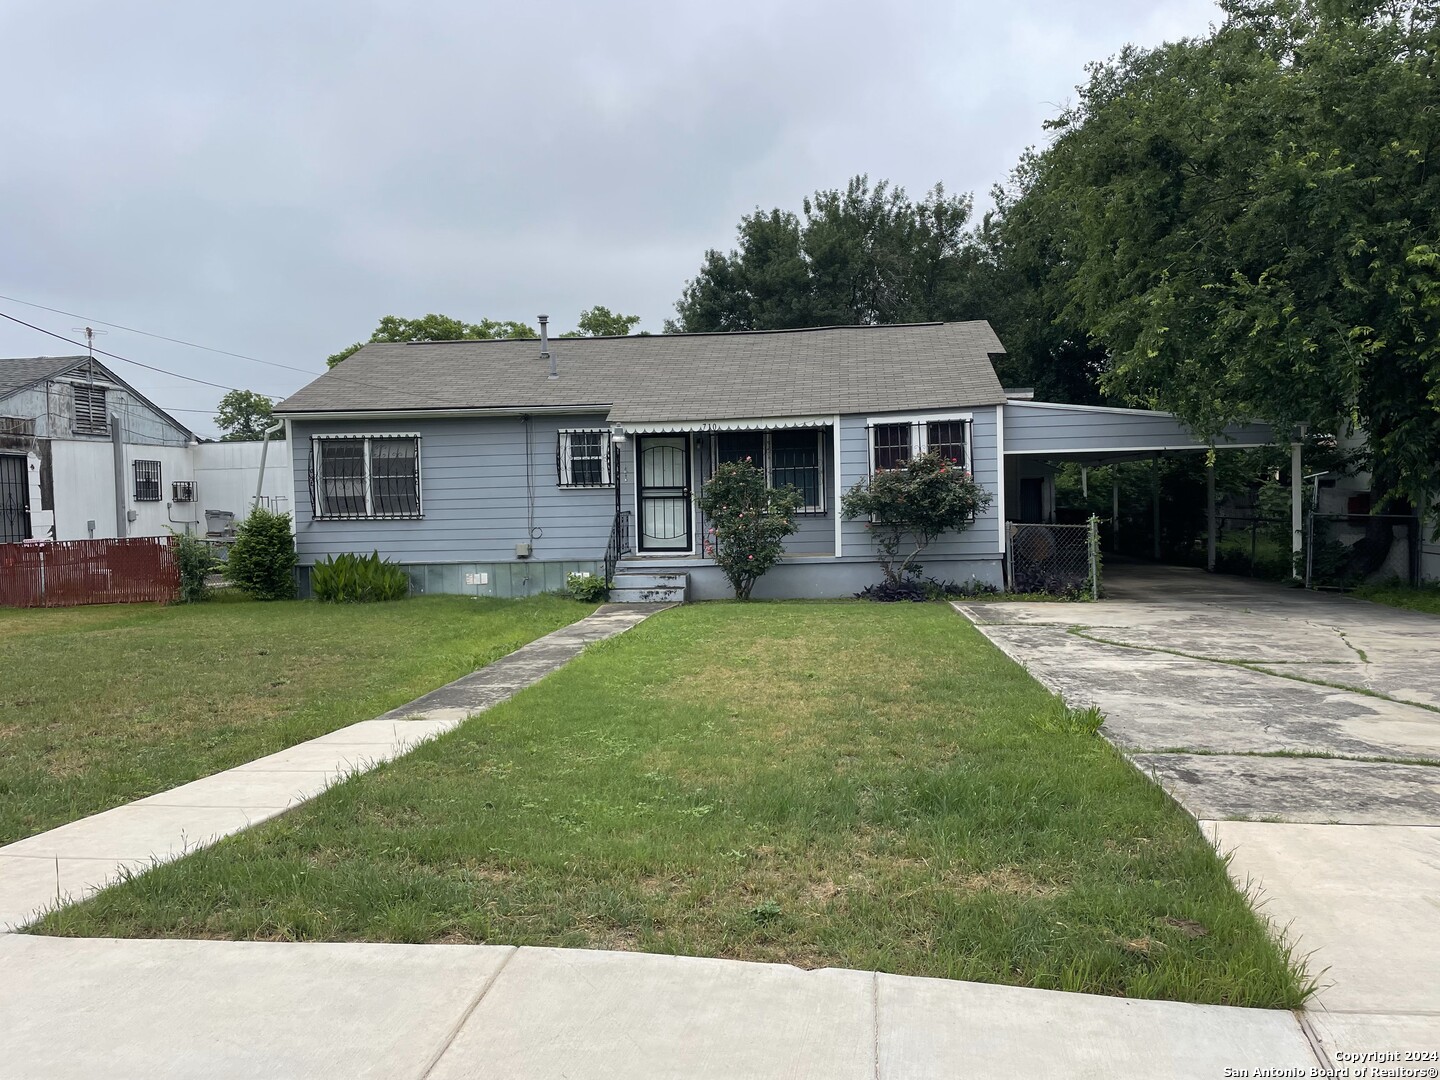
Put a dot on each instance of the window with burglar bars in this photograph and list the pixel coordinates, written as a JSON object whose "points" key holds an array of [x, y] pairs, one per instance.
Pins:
{"points": [[582, 458], [147, 481], [794, 456], [365, 476], [893, 445], [91, 417]]}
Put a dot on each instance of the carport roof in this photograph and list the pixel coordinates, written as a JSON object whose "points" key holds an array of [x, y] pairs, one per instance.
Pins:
{"points": [[1095, 434]]}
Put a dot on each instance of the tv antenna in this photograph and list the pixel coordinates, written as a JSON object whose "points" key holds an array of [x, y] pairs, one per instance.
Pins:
{"points": [[89, 337]]}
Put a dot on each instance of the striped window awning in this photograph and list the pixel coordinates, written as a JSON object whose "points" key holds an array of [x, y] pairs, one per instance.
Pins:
{"points": [[757, 423]]}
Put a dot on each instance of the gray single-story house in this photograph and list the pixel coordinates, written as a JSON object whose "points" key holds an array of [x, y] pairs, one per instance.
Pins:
{"points": [[499, 467]]}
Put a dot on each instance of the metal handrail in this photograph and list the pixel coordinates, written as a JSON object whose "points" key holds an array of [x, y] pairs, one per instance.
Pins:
{"points": [[619, 542]]}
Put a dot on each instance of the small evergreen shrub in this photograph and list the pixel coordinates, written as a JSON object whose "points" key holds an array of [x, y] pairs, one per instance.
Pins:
{"points": [[587, 588], [262, 559], [196, 562], [358, 579], [748, 522]]}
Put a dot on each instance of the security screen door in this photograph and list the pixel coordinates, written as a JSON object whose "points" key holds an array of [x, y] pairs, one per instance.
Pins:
{"points": [[664, 491]]}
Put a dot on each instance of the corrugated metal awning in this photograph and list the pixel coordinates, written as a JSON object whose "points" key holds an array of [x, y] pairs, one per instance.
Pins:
{"points": [[761, 423]]}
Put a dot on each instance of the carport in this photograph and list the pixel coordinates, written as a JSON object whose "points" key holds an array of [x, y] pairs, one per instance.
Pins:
{"points": [[1035, 435]]}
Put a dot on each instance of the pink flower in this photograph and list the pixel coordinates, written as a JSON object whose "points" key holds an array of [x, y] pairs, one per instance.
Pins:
{"points": [[750, 557]]}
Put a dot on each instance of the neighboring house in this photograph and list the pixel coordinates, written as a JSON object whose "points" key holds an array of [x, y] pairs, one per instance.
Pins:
{"points": [[497, 467], [83, 455]]}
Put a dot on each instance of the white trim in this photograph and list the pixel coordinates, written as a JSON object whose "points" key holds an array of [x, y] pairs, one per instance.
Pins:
{"points": [[1088, 408], [696, 540], [999, 475], [839, 531], [443, 414], [317, 460], [917, 418], [566, 450], [1078, 451], [758, 423]]}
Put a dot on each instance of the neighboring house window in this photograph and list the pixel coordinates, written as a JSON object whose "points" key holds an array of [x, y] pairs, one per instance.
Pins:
{"points": [[147, 481], [582, 458], [91, 417], [894, 444], [793, 456], [365, 476]]}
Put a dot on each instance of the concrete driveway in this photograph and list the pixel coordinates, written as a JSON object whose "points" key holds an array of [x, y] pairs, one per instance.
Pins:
{"points": [[1303, 732]]}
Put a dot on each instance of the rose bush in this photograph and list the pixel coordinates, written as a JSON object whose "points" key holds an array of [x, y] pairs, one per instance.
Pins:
{"points": [[748, 522]]}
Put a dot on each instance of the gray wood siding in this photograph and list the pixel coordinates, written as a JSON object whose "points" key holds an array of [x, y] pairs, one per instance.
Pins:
{"points": [[981, 539], [473, 495], [52, 406], [1032, 428]]}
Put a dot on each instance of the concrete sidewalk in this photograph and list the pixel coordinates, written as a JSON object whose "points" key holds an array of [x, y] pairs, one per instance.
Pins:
{"points": [[1341, 850], [81, 1008], [75, 860]]}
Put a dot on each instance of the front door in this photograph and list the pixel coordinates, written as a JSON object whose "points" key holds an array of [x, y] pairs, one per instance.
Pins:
{"points": [[663, 489], [14, 499]]}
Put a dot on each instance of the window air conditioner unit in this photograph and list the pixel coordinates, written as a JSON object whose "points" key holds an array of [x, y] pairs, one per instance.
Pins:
{"points": [[182, 491]]}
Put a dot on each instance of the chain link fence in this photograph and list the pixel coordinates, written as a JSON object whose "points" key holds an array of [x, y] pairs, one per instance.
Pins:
{"points": [[1346, 550], [1061, 560]]}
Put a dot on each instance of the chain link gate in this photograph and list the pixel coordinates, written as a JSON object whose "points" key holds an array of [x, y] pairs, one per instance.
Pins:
{"points": [[1061, 560]]}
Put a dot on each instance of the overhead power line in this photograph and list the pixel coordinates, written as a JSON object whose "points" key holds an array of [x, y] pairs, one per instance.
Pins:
{"points": [[161, 337], [117, 356]]}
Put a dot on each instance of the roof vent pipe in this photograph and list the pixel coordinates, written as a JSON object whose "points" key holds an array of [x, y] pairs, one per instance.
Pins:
{"points": [[545, 346]]}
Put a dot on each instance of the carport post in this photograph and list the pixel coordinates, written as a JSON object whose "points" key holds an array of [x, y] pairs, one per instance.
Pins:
{"points": [[1155, 502], [1297, 500], [1115, 506], [1210, 513]]}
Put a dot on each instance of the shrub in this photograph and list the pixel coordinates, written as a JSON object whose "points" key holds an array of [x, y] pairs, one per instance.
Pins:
{"points": [[917, 589], [587, 588], [358, 579], [262, 559], [929, 496], [748, 522], [196, 562]]}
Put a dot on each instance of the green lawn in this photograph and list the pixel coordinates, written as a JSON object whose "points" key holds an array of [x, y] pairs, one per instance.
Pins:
{"points": [[1414, 598], [102, 705], [855, 785]]}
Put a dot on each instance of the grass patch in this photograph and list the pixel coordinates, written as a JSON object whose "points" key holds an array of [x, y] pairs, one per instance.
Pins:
{"points": [[102, 705], [1424, 598], [865, 786]]}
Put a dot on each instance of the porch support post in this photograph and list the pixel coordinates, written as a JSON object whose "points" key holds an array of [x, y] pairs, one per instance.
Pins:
{"points": [[839, 485], [1297, 501], [1115, 506], [1155, 504], [1210, 514]]}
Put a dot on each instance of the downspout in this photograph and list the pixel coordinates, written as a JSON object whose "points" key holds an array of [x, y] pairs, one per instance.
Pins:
{"points": [[264, 450], [117, 446]]}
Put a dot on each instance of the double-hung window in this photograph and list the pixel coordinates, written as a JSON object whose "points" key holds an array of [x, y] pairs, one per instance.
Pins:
{"points": [[894, 442], [794, 456], [147, 480], [365, 476], [582, 459]]}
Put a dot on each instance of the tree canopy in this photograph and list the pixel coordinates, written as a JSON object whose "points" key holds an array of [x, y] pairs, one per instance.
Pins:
{"points": [[436, 328], [1248, 226], [602, 322], [862, 255], [243, 415]]}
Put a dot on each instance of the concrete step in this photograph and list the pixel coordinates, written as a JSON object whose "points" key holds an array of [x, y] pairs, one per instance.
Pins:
{"points": [[626, 578], [647, 596]]}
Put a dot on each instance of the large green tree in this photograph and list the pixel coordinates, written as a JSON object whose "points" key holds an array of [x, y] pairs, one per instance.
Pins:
{"points": [[436, 328], [1249, 225], [243, 415], [862, 255], [602, 322]]}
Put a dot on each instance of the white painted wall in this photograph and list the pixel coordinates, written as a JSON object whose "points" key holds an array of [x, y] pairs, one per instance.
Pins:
{"points": [[224, 474]]}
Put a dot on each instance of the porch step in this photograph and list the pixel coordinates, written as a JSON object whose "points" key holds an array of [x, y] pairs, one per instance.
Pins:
{"points": [[640, 587]]}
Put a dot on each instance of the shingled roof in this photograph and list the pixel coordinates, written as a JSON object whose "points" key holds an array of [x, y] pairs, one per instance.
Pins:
{"points": [[656, 378], [16, 373]]}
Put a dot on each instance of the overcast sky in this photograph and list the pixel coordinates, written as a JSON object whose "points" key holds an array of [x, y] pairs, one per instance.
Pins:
{"points": [[271, 178]]}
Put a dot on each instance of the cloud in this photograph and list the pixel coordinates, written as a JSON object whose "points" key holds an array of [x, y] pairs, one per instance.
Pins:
{"points": [[272, 178]]}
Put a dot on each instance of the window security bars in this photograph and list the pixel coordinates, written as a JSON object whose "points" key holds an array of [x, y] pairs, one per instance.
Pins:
{"points": [[794, 456], [365, 476], [91, 416], [893, 445], [147, 481], [182, 491], [582, 459]]}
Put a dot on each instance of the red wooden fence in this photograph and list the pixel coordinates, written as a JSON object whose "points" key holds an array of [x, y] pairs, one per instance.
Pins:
{"points": [[77, 572]]}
